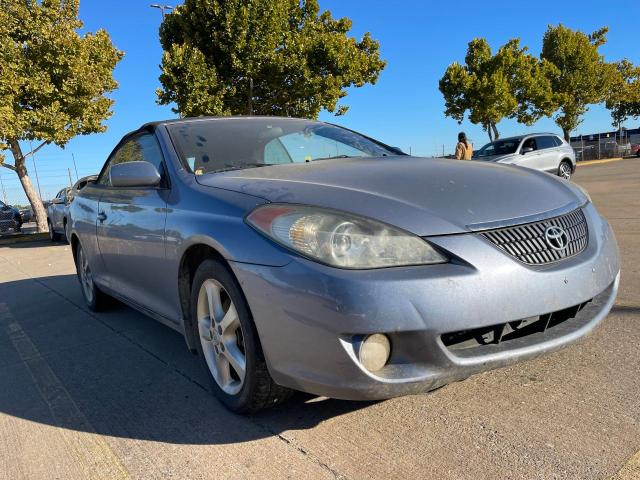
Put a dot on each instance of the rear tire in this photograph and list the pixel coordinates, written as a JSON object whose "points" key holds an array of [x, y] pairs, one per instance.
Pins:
{"points": [[67, 237], [94, 298], [227, 342], [53, 236], [565, 170]]}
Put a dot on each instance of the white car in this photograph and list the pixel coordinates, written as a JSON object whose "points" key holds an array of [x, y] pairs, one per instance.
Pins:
{"points": [[540, 151]]}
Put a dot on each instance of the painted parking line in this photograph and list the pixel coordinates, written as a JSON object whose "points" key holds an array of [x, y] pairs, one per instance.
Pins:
{"points": [[630, 470], [91, 452], [597, 162]]}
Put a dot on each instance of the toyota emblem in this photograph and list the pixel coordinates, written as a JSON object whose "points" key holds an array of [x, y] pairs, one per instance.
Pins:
{"points": [[556, 237]]}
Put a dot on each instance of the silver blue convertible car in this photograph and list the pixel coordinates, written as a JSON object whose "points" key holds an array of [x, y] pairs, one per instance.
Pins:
{"points": [[299, 255]]}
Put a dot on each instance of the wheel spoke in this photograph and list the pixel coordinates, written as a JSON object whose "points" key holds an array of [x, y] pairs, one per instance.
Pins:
{"points": [[235, 357], [213, 301], [223, 371], [204, 327], [230, 321]]}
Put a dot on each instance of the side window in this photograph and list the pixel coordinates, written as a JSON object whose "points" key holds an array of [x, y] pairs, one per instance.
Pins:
{"points": [[545, 142], [529, 143], [557, 140], [143, 148]]}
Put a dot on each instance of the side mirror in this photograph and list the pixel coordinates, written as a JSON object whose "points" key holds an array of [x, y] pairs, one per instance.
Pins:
{"points": [[134, 174], [525, 150], [57, 201]]}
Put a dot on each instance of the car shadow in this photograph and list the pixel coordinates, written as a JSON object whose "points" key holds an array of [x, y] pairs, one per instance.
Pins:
{"points": [[120, 373]]}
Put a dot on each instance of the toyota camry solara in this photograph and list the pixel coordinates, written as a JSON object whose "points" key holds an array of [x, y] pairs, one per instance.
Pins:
{"points": [[298, 255]]}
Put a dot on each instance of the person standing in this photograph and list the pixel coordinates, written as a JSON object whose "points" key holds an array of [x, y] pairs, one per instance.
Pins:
{"points": [[464, 150]]}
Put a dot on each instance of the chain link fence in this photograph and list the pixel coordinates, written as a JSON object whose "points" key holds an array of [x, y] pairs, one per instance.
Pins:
{"points": [[622, 143]]}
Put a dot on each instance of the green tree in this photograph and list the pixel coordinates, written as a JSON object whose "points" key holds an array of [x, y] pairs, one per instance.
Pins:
{"points": [[53, 81], [623, 98], [269, 57], [510, 84], [580, 77]]}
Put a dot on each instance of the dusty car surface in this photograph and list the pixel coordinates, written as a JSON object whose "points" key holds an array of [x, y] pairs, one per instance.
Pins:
{"points": [[546, 152], [296, 254]]}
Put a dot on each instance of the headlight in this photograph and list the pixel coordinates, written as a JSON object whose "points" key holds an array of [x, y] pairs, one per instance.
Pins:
{"points": [[341, 239]]}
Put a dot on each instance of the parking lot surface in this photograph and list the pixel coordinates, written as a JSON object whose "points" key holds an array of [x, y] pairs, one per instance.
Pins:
{"points": [[117, 395]]}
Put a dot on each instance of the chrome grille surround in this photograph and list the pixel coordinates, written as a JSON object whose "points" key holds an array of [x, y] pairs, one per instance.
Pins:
{"points": [[527, 242]]}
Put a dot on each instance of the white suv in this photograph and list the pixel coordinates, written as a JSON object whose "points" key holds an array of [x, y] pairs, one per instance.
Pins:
{"points": [[540, 151]]}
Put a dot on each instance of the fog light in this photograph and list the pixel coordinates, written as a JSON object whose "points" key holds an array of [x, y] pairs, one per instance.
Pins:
{"points": [[374, 351]]}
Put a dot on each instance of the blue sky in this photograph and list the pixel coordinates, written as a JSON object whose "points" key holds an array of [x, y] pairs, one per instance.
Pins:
{"points": [[418, 39]]}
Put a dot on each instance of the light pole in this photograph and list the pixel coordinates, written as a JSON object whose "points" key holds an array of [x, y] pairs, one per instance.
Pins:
{"points": [[162, 8]]}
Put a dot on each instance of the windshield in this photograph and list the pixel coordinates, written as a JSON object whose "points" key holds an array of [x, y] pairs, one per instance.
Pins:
{"points": [[499, 147], [219, 144]]}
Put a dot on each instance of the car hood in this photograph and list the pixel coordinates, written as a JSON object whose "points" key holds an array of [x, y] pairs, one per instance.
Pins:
{"points": [[421, 195]]}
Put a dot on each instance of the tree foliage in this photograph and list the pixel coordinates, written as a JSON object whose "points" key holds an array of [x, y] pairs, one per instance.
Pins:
{"points": [[271, 57], [53, 81], [510, 84], [581, 76], [623, 98]]}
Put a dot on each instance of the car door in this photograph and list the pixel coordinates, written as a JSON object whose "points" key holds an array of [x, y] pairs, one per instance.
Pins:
{"points": [[549, 155], [130, 227], [530, 159]]}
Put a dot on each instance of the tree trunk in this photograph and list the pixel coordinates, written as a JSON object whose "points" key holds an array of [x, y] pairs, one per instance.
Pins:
{"points": [[32, 196], [567, 134], [496, 135], [488, 129]]}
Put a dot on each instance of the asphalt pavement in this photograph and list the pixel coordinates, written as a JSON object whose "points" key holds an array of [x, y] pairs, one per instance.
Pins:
{"points": [[117, 395]]}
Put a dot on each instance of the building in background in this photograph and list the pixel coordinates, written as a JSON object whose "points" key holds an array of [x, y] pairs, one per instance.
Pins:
{"points": [[618, 143]]}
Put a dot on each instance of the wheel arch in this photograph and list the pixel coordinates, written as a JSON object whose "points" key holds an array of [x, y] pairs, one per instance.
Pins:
{"points": [[191, 259], [571, 164]]}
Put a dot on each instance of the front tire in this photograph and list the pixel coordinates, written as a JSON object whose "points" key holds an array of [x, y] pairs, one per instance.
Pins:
{"points": [[67, 236], [94, 298], [565, 170], [228, 343], [53, 236]]}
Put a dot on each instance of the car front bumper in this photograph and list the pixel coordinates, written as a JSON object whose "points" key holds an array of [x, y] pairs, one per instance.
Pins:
{"points": [[310, 316]]}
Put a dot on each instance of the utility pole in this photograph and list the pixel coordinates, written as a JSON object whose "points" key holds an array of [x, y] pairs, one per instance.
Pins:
{"points": [[75, 167], [70, 179], [162, 8], [33, 157]]}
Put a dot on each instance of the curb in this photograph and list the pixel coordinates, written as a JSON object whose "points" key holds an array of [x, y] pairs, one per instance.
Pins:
{"points": [[598, 162], [25, 238]]}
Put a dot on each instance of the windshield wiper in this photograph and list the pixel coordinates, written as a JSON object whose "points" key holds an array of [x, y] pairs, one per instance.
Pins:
{"points": [[335, 156], [242, 166]]}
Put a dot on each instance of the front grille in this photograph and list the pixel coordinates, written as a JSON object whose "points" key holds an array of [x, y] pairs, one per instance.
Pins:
{"points": [[527, 242]]}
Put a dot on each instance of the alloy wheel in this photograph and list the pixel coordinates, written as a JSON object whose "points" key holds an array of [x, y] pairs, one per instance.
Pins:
{"points": [[86, 279], [221, 337], [565, 170]]}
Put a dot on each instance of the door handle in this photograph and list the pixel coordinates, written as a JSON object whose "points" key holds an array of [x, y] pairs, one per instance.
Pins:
{"points": [[102, 217]]}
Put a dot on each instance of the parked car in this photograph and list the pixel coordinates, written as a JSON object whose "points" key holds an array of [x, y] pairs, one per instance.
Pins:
{"points": [[27, 215], [635, 150], [541, 151], [295, 254], [58, 214], [56, 220], [10, 218]]}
